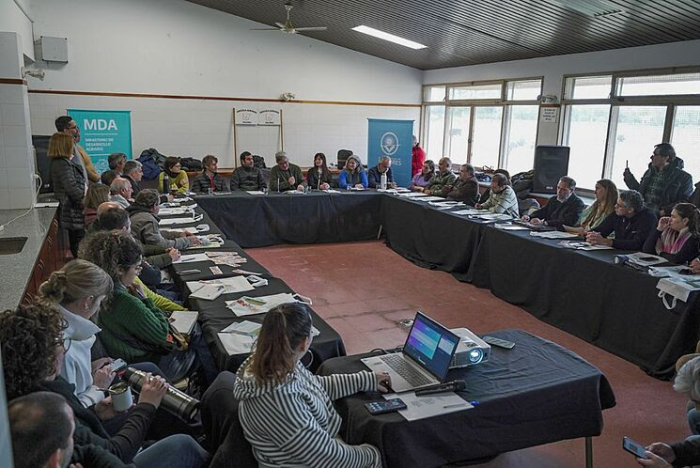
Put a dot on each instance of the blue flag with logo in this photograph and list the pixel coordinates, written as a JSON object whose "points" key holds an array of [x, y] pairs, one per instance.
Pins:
{"points": [[103, 133], [392, 138]]}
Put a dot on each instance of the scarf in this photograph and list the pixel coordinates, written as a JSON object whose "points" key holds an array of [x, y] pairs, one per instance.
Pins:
{"points": [[673, 241]]}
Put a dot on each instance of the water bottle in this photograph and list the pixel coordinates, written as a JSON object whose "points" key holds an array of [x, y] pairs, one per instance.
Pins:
{"points": [[166, 184], [175, 402], [382, 183]]}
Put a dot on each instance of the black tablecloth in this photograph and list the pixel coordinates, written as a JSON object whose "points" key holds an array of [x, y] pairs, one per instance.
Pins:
{"points": [[586, 294], [536, 393], [262, 220], [429, 237], [214, 316]]}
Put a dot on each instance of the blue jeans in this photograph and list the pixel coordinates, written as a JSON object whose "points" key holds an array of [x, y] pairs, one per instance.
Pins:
{"points": [[177, 450]]}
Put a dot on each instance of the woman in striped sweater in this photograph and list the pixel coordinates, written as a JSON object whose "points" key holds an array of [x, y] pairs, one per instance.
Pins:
{"points": [[287, 412]]}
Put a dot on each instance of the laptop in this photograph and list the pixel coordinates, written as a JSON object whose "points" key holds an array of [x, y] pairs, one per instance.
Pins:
{"points": [[425, 358]]}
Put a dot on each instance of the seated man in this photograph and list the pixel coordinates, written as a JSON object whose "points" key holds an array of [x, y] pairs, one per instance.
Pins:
{"points": [[116, 162], [247, 177], [286, 176], [34, 442], [562, 209], [209, 178], [466, 189], [631, 222], [144, 224], [665, 183], [107, 177], [133, 172], [502, 198], [120, 192], [374, 175], [442, 177]]}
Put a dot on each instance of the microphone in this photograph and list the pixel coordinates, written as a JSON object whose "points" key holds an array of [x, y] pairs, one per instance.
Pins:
{"points": [[454, 386]]}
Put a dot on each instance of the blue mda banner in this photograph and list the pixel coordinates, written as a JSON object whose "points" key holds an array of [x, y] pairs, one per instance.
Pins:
{"points": [[103, 132], [392, 138]]}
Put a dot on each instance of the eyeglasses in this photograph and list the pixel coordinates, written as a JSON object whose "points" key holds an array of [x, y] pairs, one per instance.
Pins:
{"points": [[617, 205], [65, 343]]}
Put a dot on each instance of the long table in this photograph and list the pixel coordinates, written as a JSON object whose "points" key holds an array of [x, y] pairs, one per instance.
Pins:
{"points": [[583, 293], [534, 394], [214, 316]]}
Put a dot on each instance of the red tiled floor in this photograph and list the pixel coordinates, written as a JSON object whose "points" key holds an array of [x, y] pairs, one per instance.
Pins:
{"points": [[374, 288]]}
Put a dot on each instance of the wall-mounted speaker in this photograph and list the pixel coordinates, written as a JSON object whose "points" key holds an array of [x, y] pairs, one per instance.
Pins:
{"points": [[551, 164]]}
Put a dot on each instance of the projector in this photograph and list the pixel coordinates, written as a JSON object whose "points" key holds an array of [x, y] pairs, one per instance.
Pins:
{"points": [[471, 350]]}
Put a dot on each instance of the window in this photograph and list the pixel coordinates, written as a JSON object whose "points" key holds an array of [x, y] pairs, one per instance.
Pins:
{"points": [[434, 128], [685, 138], [520, 136], [614, 121], [585, 134], [490, 124]]}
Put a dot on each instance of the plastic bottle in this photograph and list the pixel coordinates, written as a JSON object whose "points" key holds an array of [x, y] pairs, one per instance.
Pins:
{"points": [[382, 183]]}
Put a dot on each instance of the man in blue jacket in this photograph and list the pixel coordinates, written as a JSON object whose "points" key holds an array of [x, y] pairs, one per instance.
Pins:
{"points": [[631, 222], [374, 175]]}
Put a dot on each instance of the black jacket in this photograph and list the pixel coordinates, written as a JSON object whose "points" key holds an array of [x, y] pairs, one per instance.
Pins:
{"points": [[466, 191], [248, 179], [678, 187], [374, 177], [315, 181], [557, 213], [134, 185], [687, 452], [68, 182], [201, 183], [630, 233]]}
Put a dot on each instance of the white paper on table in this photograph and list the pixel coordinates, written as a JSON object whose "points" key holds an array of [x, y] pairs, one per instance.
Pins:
{"points": [[492, 216], [470, 211], [200, 257], [331, 191], [183, 320], [256, 192], [511, 227], [207, 292], [268, 302], [246, 327], [644, 259], [174, 221], [431, 198], [553, 235], [210, 245], [421, 407], [234, 284], [235, 343], [413, 195], [180, 210]]}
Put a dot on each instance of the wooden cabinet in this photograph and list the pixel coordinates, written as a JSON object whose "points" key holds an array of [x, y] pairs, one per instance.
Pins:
{"points": [[50, 259]]}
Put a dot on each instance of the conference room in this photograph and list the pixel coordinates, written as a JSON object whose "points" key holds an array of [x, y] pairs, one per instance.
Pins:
{"points": [[293, 146]]}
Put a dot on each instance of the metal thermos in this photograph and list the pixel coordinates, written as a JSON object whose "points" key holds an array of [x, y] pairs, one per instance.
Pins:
{"points": [[166, 184], [176, 402]]}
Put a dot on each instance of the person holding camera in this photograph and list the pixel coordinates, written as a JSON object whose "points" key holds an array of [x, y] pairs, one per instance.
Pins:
{"points": [[33, 349]]}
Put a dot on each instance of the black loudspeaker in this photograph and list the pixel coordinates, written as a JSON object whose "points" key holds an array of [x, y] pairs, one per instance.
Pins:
{"points": [[551, 164], [43, 163]]}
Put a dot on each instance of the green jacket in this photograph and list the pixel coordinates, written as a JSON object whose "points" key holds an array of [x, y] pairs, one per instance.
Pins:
{"points": [[135, 319], [278, 175], [439, 180]]}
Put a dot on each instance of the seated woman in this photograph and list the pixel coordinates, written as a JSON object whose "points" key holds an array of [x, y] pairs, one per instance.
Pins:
{"points": [[605, 198], [95, 196], [421, 179], [353, 175], [177, 178], [676, 237], [32, 350], [319, 177], [286, 412], [133, 328]]}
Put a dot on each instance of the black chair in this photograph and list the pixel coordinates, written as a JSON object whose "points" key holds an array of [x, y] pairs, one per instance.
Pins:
{"points": [[343, 156]]}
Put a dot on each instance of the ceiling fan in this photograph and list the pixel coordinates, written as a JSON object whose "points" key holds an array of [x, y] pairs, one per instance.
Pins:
{"points": [[288, 27]]}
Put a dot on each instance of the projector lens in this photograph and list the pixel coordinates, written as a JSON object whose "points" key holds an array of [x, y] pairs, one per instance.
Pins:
{"points": [[475, 356]]}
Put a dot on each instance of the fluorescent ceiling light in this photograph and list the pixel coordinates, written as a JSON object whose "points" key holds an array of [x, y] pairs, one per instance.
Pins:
{"points": [[388, 37]]}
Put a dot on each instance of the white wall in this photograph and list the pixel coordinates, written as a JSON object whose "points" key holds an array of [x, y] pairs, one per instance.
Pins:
{"points": [[175, 47], [14, 19], [553, 69]]}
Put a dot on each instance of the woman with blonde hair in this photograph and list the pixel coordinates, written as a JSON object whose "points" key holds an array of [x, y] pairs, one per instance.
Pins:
{"points": [[77, 291], [286, 412], [68, 182], [95, 196], [605, 198], [353, 175]]}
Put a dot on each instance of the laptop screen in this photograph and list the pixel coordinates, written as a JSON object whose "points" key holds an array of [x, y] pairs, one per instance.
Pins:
{"points": [[431, 344]]}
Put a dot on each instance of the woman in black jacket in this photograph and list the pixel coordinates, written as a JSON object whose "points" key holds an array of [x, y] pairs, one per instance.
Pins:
{"points": [[319, 177], [68, 182]]}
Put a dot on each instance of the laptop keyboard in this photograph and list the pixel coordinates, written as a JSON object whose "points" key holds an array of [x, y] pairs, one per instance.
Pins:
{"points": [[405, 370]]}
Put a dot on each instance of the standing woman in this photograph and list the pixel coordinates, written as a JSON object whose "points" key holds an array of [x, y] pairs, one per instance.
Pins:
{"points": [[77, 291], [69, 185], [676, 237], [286, 412], [353, 175], [319, 177], [177, 177]]}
